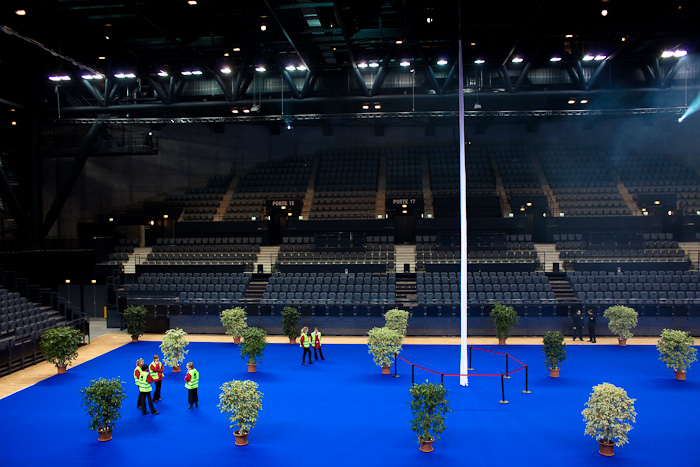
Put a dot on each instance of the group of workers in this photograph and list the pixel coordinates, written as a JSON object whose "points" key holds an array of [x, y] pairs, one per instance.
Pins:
{"points": [[578, 320], [307, 343], [144, 375]]}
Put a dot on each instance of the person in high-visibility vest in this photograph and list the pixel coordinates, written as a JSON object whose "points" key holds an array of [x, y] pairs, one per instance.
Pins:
{"points": [[305, 343], [156, 370], [137, 373], [145, 381], [316, 344], [192, 383]]}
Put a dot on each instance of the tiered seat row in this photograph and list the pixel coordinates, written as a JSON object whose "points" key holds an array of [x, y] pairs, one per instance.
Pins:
{"points": [[189, 288], [20, 318]]}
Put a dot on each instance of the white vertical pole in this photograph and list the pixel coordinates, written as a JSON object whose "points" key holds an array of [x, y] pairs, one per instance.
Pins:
{"points": [[464, 364]]}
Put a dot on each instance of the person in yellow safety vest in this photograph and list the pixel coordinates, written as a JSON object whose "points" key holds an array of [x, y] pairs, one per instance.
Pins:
{"points": [[156, 371], [305, 343], [145, 381], [137, 372], [192, 383], [316, 343]]}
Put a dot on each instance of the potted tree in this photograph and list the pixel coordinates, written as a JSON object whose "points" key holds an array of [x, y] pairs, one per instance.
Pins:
{"points": [[383, 343], [243, 401], [554, 350], [622, 319], [173, 348], [429, 406], [234, 320], [135, 321], [397, 320], [60, 346], [677, 351], [290, 323], [102, 400], [607, 414], [504, 318], [253, 346]]}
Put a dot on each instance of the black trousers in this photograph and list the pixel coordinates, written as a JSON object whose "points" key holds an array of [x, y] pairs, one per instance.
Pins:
{"points": [[578, 332], [156, 393], [307, 350], [138, 400], [315, 355], [192, 397], [143, 396], [591, 333]]}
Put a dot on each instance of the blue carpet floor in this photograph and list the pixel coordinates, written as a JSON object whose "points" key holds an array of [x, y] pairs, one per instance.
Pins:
{"points": [[343, 411]]}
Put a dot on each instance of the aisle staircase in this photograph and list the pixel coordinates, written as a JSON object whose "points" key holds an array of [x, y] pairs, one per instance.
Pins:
{"points": [[405, 254]]}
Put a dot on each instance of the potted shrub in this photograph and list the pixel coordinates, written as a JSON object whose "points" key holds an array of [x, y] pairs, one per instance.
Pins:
{"points": [[102, 400], [554, 350], [677, 351], [607, 414], [383, 343], [135, 321], [243, 401], [429, 406], [60, 346], [504, 318], [253, 346], [173, 348], [290, 323], [622, 319], [234, 320], [397, 320]]}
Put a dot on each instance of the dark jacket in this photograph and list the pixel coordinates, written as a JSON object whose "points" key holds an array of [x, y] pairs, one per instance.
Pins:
{"points": [[592, 320], [578, 321]]}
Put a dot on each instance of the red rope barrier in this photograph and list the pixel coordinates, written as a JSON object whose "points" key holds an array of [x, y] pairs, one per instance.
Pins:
{"points": [[469, 374]]}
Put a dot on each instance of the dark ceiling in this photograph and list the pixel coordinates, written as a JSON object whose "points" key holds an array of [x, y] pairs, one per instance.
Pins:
{"points": [[334, 40]]}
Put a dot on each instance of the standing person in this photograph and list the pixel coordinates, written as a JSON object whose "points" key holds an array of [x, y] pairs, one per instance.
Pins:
{"points": [[591, 325], [316, 343], [137, 373], [145, 381], [156, 370], [578, 325], [192, 383], [305, 343]]}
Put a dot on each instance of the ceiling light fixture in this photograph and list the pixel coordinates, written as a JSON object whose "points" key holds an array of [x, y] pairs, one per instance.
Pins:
{"points": [[226, 70], [20, 12], [588, 58], [479, 61], [163, 74], [442, 62], [263, 27], [362, 65], [373, 64], [555, 59], [260, 69], [405, 63], [517, 60]]}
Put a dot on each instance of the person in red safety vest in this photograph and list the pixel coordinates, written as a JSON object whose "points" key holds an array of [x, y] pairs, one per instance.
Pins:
{"points": [[316, 344], [137, 373], [305, 343], [156, 371]]}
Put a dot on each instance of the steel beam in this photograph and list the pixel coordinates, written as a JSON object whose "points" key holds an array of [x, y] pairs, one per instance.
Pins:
{"points": [[672, 72], [68, 184], [286, 76], [429, 71], [382, 72]]}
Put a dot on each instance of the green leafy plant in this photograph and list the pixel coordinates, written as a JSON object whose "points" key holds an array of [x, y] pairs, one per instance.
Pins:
{"points": [[253, 345], [102, 400], [607, 414], [173, 347], [60, 345], [622, 319], [290, 320], [676, 349], [383, 343], [429, 406], [243, 401], [397, 320], [504, 318], [554, 349], [135, 320], [234, 320]]}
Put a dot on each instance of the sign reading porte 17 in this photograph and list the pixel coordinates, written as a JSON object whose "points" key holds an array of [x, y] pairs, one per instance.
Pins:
{"points": [[404, 201], [283, 203]]}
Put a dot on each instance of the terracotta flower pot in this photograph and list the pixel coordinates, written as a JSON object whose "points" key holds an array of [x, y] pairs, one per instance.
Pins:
{"points": [[134, 339], [104, 435], [62, 369], [237, 340], [501, 341], [680, 375], [621, 341], [426, 445], [292, 340], [606, 447], [176, 369], [554, 372], [252, 368], [386, 370], [241, 438]]}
